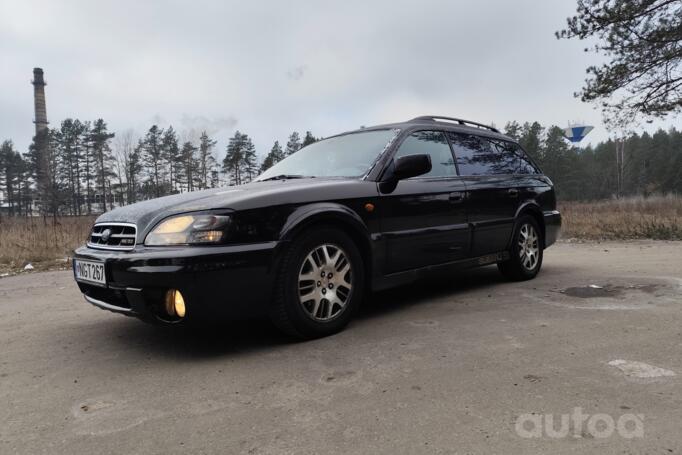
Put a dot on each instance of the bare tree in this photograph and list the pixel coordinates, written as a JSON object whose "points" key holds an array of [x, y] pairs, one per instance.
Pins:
{"points": [[124, 146]]}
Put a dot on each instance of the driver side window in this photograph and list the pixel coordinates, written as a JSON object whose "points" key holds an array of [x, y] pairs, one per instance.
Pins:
{"points": [[434, 144]]}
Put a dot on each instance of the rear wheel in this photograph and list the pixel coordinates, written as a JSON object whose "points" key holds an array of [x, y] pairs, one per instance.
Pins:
{"points": [[320, 284], [526, 251]]}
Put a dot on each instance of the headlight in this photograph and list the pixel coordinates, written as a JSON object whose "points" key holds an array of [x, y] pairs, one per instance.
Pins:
{"points": [[189, 230]]}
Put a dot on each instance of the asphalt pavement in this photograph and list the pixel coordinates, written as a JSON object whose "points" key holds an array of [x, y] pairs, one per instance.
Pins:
{"points": [[468, 363]]}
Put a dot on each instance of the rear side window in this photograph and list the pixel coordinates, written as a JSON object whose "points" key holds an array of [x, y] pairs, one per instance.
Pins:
{"points": [[474, 156], [526, 162], [514, 158], [434, 144], [481, 156]]}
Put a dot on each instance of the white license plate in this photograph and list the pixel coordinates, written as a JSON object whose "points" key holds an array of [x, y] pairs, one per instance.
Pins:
{"points": [[89, 271]]}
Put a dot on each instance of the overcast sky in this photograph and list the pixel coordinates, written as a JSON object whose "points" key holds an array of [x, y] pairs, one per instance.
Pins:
{"points": [[267, 68]]}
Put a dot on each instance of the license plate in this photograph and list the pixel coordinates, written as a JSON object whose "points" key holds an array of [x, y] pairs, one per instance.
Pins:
{"points": [[90, 272]]}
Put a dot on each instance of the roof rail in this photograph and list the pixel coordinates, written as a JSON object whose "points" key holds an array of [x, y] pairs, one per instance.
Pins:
{"points": [[434, 118]]}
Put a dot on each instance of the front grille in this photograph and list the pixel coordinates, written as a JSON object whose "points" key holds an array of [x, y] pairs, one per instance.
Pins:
{"points": [[113, 236]]}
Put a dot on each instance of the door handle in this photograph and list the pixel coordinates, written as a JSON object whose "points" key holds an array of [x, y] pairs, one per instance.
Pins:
{"points": [[513, 192], [457, 196]]}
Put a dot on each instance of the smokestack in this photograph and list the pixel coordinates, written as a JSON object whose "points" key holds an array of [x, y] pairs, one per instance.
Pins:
{"points": [[39, 100]]}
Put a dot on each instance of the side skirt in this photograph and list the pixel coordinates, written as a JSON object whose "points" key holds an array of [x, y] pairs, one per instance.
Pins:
{"points": [[408, 276]]}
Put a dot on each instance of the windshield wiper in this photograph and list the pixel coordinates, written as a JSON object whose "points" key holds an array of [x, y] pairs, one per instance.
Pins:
{"points": [[285, 177]]}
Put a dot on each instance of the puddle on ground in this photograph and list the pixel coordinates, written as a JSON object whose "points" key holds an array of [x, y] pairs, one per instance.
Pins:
{"points": [[615, 293], [595, 291]]}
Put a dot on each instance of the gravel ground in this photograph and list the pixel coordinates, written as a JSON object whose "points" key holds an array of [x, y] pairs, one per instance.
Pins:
{"points": [[467, 364]]}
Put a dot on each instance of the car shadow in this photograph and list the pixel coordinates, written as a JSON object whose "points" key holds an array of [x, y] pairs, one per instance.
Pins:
{"points": [[428, 289], [198, 342], [252, 336]]}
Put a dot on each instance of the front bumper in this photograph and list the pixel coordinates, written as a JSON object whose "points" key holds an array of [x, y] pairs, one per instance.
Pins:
{"points": [[229, 281]]}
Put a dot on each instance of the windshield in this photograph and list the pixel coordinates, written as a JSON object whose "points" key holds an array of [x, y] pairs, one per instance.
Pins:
{"points": [[349, 155]]}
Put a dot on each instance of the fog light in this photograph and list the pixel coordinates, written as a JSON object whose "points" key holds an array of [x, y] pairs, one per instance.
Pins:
{"points": [[175, 303]]}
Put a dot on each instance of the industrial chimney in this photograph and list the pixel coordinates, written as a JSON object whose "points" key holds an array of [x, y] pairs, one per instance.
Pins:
{"points": [[39, 100]]}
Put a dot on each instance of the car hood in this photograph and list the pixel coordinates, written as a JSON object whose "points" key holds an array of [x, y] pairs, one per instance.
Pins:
{"points": [[243, 197]]}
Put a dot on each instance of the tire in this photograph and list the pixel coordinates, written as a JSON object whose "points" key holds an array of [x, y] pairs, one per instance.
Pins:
{"points": [[306, 304], [526, 251]]}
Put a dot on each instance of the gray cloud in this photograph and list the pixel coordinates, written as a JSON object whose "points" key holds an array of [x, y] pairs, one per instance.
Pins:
{"points": [[202, 64], [211, 126]]}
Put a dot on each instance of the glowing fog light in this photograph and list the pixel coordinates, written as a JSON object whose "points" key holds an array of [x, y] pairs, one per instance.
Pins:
{"points": [[175, 303]]}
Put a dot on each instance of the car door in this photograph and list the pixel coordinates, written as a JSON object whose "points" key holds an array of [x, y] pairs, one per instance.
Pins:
{"points": [[492, 196], [424, 219]]}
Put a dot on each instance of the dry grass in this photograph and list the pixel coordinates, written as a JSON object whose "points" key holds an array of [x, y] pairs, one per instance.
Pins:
{"points": [[656, 217], [43, 242]]}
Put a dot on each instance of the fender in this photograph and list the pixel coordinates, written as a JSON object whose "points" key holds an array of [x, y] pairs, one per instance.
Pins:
{"points": [[305, 215], [532, 207]]}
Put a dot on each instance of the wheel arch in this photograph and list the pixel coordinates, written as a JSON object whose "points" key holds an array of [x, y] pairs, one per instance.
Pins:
{"points": [[336, 216], [533, 209]]}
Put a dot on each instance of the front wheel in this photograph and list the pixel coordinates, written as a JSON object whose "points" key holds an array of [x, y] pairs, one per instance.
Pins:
{"points": [[526, 251], [320, 284]]}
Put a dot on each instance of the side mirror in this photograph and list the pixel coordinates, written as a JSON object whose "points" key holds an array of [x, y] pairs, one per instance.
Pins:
{"points": [[411, 166]]}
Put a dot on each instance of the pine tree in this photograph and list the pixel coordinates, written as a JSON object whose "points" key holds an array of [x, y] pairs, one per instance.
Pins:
{"points": [[641, 41], [250, 160], [206, 161], [87, 165], [5, 149], [531, 141], [171, 152], [308, 139], [671, 179], [80, 130], [52, 193], [70, 140], [188, 165], [24, 188], [233, 159], [215, 178], [99, 138], [293, 144], [275, 156], [556, 160], [153, 158], [43, 171], [14, 181], [9, 174], [240, 162], [513, 130]]}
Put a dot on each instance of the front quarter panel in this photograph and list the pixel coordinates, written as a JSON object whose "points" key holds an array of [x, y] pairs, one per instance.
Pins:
{"points": [[332, 211]]}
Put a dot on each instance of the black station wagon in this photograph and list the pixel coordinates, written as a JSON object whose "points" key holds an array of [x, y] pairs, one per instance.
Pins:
{"points": [[361, 211]]}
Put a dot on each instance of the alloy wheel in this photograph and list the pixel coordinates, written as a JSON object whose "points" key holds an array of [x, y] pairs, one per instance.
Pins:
{"points": [[529, 246], [325, 282]]}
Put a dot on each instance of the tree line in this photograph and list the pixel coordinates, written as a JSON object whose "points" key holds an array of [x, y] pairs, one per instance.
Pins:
{"points": [[83, 168], [651, 163]]}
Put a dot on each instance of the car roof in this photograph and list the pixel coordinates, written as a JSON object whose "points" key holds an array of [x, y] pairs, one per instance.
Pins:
{"points": [[443, 123]]}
